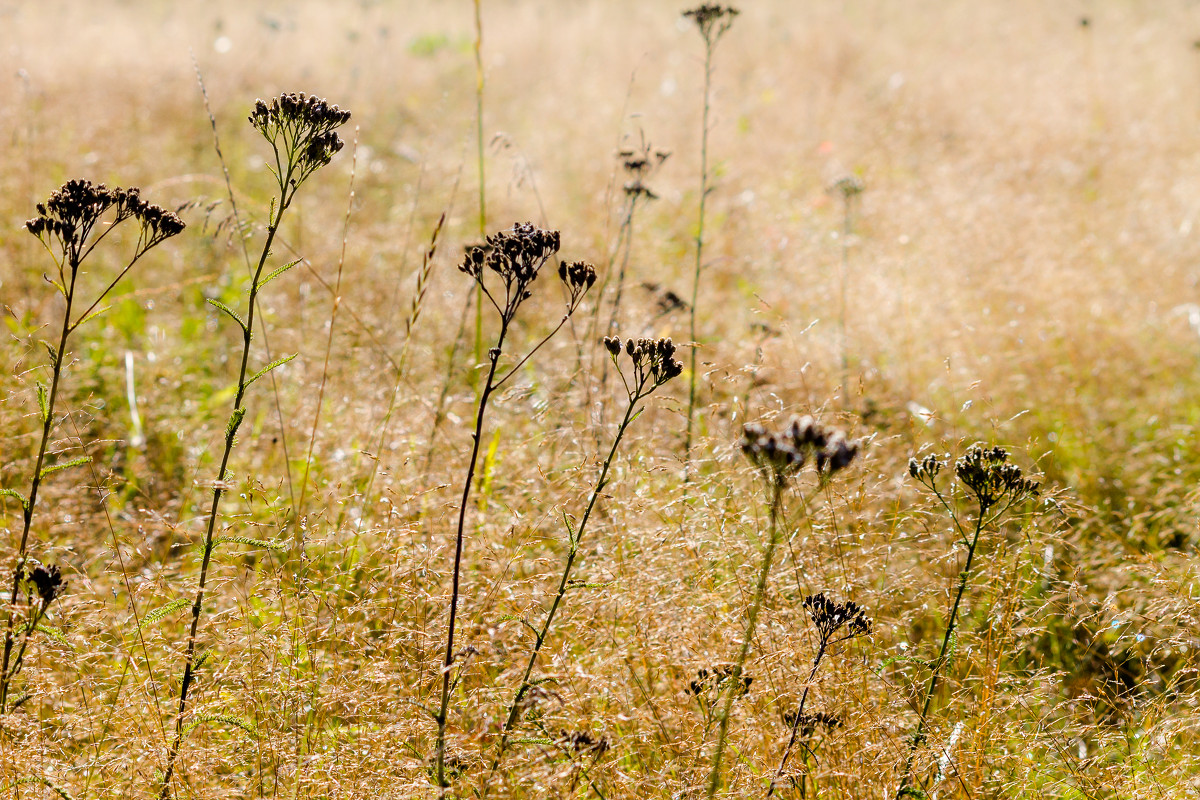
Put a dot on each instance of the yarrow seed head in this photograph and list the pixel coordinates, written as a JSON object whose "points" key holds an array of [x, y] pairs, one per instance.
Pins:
{"points": [[808, 723], [830, 617], [69, 217], [301, 129], [782, 455], [718, 676], [987, 473], [48, 583], [847, 187], [712, 19], [654, 362]]}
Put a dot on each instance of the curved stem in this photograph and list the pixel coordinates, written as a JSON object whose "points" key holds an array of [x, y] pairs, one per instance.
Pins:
{"points": [[515, 706], [714, 778], [919, 736], [448, 662], [799, 714], [35, 484], [189, 662]]}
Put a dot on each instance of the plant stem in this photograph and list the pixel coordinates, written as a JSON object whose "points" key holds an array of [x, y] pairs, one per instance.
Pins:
{"points": [[479, 158], [919, 736], [515, 706], [799, 714], [458, 548], [842, 307], [218, 490], [714, 779], [27, 516], [687, 442]]}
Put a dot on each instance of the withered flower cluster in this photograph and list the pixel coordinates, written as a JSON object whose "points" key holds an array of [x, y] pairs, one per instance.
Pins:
{"points": [[639, 164], [301, 130], [653, 362], [847, 187], [831, 617], [517, 256], [716, 678], [48, 583], [713, 19], [985, 471], [781, 455], [807, 724], [578, 276], [67, 220], [581, 742]]}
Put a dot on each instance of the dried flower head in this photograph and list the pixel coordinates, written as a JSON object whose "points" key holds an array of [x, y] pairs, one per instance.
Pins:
{"points": [[781, 455], [639, 164], [926, 470], [712, 19], [847, 187], [48, 583], [654, 363], [583, 742], [516, 255], [808, 724], [987, 473], [578, 276], [715, 678], [67, 221], [301, 130], [831, 617]]}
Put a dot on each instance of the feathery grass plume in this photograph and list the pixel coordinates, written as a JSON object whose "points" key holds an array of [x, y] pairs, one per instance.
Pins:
{"points": [[779, 457], [996, 485], [70, 224], [504, 269], [652, 363], [713, 20], [302, 132], [835, 623], [848, 187]]}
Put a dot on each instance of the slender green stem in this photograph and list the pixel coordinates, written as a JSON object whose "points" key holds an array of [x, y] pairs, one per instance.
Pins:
{"points": [[919, 736], [714, 778], [35, 484], [563, 583], [218, 490], [448, 662], [687, 442]]}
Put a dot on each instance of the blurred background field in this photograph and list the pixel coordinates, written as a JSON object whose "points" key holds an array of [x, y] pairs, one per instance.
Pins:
{"points": [[1023, 270]]}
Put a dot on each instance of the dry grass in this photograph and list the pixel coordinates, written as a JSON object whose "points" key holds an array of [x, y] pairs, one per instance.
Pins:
{"points": [[1024, 252]]}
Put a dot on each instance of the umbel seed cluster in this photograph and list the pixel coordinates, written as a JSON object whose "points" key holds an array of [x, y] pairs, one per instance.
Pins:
{"points": [[783, 453]]}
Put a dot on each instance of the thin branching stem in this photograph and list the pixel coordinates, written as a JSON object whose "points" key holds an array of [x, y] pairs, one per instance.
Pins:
{"points": [[448, 661], [799, 716]]}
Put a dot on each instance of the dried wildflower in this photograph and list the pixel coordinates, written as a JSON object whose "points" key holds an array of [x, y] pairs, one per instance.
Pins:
{"points": [[847, 187], [712, 19], [809, 723], [639, 164], [517, 256], [67, 221], [48, 583], [781, 455], [988, 475], [716, 678], [831, 617], [653, 363], [926, 470], [581, 742], [301, 130]]}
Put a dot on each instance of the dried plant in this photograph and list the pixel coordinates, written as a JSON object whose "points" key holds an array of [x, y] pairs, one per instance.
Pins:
{"points": [[713, 20], [847, 188], [301, 130], [70, 224], [995, 484], [779, 458], [835, 623], [652, 364], [504, 269]]}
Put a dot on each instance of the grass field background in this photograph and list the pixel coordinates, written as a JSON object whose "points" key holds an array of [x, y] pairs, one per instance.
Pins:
{"points": [[1022, 270]]}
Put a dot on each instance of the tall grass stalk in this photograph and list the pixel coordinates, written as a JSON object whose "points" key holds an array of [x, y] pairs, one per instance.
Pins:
{"points": [[713, 21], [653, 364], [70, 224], [516, 257], [301, 132]]}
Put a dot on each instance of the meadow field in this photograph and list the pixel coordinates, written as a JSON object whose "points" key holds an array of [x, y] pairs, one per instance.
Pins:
{"points": [[614, 403]]}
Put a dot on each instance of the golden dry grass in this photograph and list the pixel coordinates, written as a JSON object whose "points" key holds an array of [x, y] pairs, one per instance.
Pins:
{"points": [[1022, 262]]}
